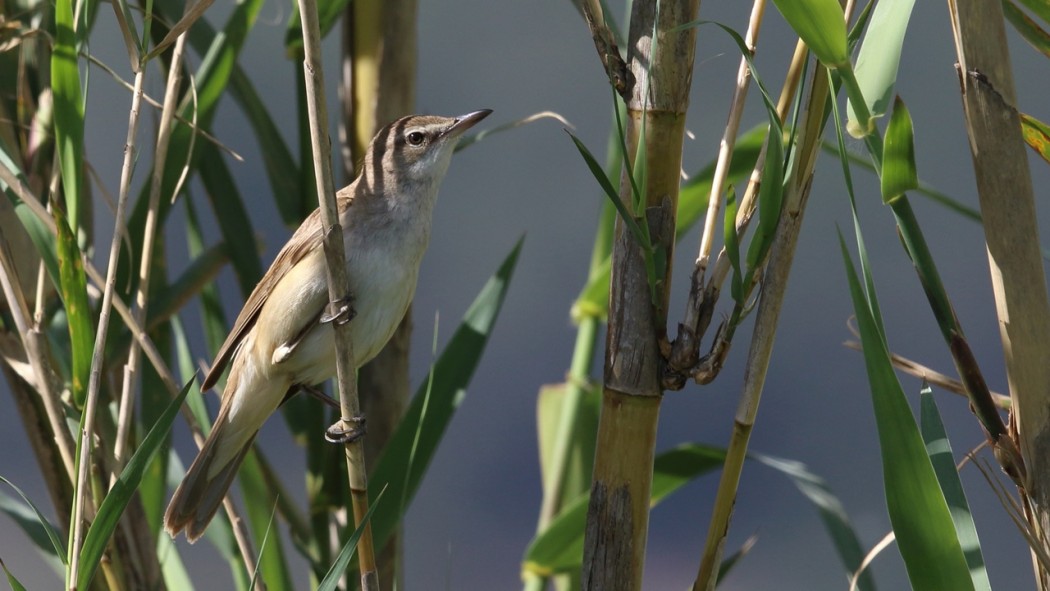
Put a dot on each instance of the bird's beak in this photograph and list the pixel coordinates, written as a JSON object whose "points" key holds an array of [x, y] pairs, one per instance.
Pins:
{"points": [[465, 122]]}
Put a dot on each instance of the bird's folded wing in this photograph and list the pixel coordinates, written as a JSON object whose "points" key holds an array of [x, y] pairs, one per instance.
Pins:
{"points": [[298, 247]]}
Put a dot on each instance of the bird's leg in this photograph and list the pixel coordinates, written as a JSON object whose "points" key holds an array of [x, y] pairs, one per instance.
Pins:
{"points": [[346, 430], [340, 311], [318, 394]]}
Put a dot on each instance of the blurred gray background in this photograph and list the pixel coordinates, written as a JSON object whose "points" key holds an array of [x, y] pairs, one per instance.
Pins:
{"points": [[476, 510]]}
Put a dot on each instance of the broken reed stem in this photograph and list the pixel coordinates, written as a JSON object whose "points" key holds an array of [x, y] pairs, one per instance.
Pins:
{"points": [[943, 381], [774, 285], [127, 398], [725, 151], [146, 98], [748, 202], [338, 285], [87, 422], [33, 344], [702, 297]]}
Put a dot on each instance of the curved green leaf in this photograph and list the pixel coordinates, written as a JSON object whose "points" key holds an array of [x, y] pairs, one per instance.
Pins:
{"points": [[11, 580], [342, 562], [692, 204], [880, 55], [732, 241], [69, 110], [1035, 35], [34, 226], [940, 451], [559, 548], [918, 511], [122, 491], [409, 451], [43, 533], [639, 232], [898, 156], [1036, 135], [821, 24], [832, 513], [73, 284]]}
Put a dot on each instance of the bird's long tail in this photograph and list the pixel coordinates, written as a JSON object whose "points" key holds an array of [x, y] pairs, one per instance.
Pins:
{"points": [[202, 490]]}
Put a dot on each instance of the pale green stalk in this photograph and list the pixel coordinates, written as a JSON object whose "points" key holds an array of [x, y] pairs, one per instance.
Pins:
{"points": [[94, 381]]}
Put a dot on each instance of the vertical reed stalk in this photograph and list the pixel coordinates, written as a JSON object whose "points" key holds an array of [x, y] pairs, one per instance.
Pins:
{"points": [[1004, 186], [127, 402], [94, 381], [774, 285], [659, 62], [379, 73], [338, 286]]}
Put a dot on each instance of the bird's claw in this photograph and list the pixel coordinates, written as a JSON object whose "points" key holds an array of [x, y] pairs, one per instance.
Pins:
{"points": [[346, 430], [339, 312]]}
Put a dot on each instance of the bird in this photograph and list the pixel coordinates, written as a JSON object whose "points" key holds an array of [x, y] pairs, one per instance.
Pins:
{"points": [[283, 340]]}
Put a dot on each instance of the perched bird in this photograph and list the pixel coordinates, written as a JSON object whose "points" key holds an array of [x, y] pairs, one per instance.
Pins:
{"points": [[282, 339]]}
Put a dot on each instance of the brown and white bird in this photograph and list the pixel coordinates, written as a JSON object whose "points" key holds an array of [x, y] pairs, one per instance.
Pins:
{"points": [[280, 341]]}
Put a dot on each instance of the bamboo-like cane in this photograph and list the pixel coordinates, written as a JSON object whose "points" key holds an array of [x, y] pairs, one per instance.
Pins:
{"points": [[379, 82], [659, 64], [338, 286], [1004, 186]]}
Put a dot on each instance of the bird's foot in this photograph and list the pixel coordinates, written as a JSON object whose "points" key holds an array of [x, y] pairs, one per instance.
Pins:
{"points": [[346, 430], [339, 312]]}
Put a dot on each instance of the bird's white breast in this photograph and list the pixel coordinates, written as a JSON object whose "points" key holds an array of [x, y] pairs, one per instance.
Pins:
{"points": [[383, 274]]}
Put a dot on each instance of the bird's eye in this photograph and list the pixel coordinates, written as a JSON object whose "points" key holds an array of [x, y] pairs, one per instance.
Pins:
{"points": [[416, 138]]}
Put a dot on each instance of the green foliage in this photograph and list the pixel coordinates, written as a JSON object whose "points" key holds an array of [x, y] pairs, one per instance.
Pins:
{"points": [[1035, 35], [918, 511], [409, 451], [73, 285], [559, 549], [11, 580], [122, 491], [822, 25], [328, 13], [692, 204], [880, 55], [733, 246], [69, 112], [898, 156], [44, 535], [1036, 135], [42, 239], [342, 562], [940, 451]]}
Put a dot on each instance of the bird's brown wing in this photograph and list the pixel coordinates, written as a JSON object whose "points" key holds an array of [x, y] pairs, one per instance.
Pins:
{"points": [[298, 247]]}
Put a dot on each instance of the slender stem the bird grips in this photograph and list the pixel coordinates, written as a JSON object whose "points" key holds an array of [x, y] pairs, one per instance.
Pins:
{"points": [[345, 430]]}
